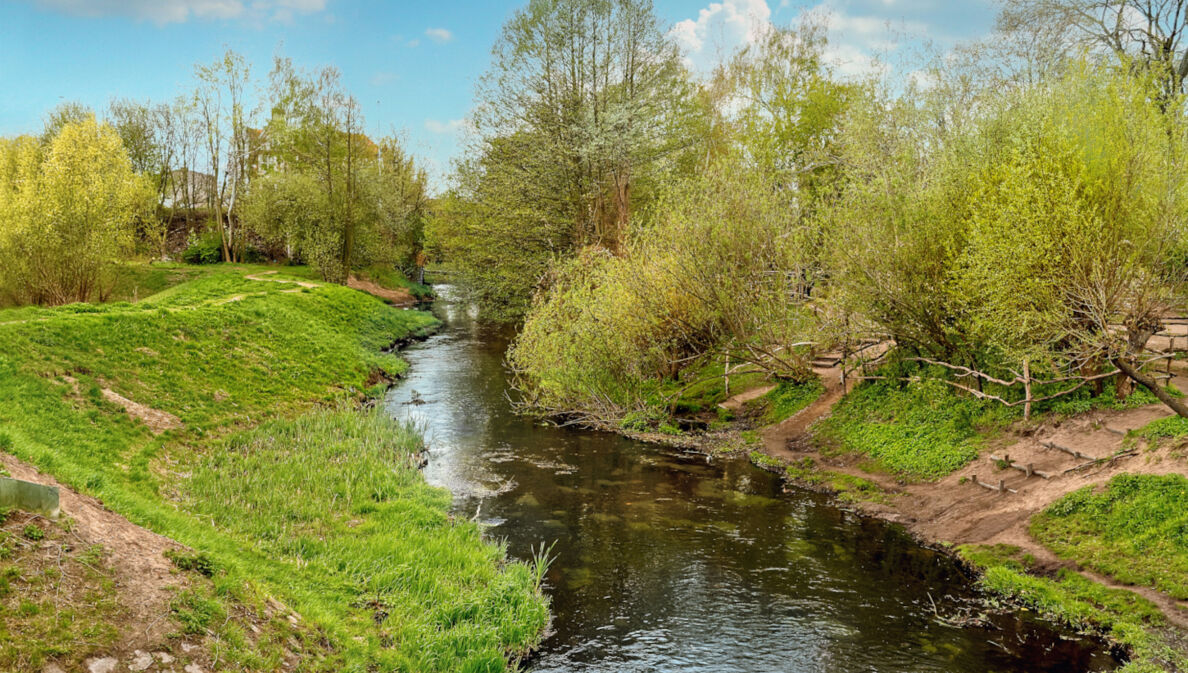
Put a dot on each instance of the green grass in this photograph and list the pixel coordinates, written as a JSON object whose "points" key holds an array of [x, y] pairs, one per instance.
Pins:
{"points": [[1073, 599], [1135, 530], [318, 508], [335, 502], [789, 397], [846, 487], [702, 387], [1172, 427], [921, 431]]}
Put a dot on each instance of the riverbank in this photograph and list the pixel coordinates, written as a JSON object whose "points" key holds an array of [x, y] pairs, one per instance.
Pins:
{"points": [[935, 464], [192, 432]]}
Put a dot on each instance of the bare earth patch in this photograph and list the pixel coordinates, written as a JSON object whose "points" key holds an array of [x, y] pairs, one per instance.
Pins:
{"points": [[144, 578], [956, 510], [399, 297], [158, 421]]}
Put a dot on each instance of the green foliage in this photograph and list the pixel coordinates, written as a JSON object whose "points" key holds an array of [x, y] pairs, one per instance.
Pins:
{"points": [[67, 213], [198, 562], [1135, 530], [579, 119], [204, 248], [33, 532], [1071, 598], [697, 281], [368, 555], [330, 195], [1164, 428], [789, 397], [923, 430]]}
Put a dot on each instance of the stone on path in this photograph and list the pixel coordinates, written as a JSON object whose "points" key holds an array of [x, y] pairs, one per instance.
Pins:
{"points": [[140, 661], [104, 665]]}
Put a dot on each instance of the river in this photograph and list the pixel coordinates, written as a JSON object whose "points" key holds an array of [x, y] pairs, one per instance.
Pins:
{"points": [[667, 561]]}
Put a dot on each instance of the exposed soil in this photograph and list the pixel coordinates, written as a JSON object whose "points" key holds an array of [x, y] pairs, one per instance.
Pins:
{"points": [[158, 421], [145, 579], [956, 510], [397, 297]]}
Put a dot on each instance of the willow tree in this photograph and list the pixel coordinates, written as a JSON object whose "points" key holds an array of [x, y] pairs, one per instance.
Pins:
{"points": [[67, 212], [1076, 233]]}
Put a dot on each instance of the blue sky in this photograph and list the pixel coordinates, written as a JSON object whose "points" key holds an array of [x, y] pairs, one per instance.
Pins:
{"points": [[413, 65]]}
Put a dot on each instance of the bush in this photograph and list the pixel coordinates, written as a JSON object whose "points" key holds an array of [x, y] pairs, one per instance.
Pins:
{"points": [[206, 248]]}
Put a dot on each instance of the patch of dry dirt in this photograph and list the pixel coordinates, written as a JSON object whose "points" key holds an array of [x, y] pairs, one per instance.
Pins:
{"points": [[158, 421], [400, 297], [144, 577]]}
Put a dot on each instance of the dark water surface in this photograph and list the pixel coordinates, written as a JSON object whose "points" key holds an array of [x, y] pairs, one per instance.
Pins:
{"points": [[668, 562]]}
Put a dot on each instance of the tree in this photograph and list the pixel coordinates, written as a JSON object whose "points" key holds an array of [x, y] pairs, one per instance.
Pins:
{"points": [[1075, 232], [316, 128], [67, 213], [64, 113], [1149, 34], [579, 119], [220, 101]]}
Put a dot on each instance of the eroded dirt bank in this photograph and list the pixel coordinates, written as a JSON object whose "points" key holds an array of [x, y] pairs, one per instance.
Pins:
{"points": [[958, 510]]}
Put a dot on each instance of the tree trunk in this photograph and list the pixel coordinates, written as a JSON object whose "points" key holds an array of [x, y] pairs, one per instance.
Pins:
{"points": [[1151, 384]]}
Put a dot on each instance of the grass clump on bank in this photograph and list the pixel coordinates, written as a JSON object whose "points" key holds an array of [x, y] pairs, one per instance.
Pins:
{"points": [[335, 500], [921, 431], [321, 509], [847, 488], [1135, 530], [1071, 598], [790, 397]]}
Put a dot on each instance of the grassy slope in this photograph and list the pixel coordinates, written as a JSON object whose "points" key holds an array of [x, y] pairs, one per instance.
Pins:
{"points": [[925, 430], [375, 561], [1070, 597], [1135, 529]]}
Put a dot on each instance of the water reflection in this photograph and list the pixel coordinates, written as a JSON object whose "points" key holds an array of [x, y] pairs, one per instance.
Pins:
{"points": [[667, 562]]}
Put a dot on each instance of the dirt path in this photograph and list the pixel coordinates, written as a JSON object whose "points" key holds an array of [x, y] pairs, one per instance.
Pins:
{"points": [[144, 577], [956, 510], [778, 438]]}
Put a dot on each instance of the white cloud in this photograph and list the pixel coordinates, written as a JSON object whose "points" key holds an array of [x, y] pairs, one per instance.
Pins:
{"points": [[719, 29], [439, 35], [451, 127], [384, 78], [162, 12]]}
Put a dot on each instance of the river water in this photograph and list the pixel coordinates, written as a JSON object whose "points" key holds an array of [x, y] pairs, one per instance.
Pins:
{"points": [[666, 561]]}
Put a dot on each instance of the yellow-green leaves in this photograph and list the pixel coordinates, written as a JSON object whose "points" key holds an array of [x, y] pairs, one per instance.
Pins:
{"points": [[67, 211]]}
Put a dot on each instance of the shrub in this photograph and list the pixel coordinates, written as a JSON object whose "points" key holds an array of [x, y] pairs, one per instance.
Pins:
{"points": [[205, 248]]}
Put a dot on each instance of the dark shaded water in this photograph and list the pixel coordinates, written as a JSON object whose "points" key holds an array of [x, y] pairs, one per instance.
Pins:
{"points": [[668, 562]]}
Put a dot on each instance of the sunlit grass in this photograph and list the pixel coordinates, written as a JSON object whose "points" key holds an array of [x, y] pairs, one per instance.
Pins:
{"points": [[274, 475]]}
